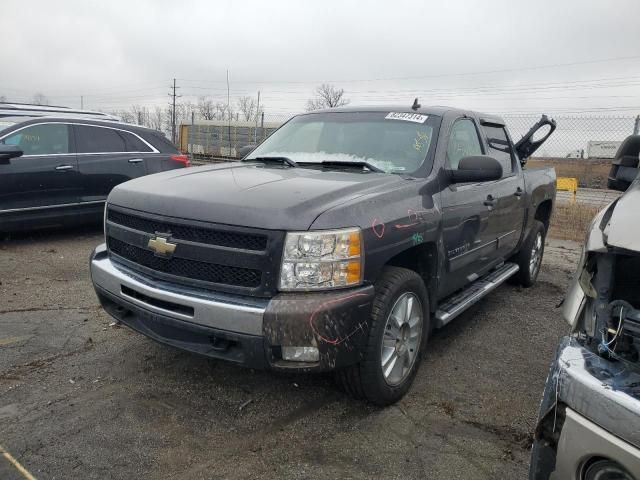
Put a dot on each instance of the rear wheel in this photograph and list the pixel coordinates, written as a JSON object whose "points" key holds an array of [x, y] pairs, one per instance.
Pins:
{"points": [[529, 258], [398, 333]]}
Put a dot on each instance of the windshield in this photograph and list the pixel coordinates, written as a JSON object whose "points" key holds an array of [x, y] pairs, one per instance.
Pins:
{"points": [[394, 142], [5, 124]]}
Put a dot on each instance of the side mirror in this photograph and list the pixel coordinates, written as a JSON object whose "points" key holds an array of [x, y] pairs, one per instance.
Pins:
{"points": [[7, 152], [477, 168], [623, 172], [246, 150], [625, 166]]}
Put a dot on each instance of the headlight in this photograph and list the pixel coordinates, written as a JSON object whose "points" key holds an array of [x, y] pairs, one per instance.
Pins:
{"points": [[321, 260]]}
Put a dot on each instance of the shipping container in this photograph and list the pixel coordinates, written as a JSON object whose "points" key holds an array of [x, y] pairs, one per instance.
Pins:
{"points": [[218, 138], [602, 149]]}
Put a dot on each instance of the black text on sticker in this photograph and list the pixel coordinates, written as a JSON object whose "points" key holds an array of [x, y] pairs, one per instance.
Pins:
{"points": [[407, 117]]}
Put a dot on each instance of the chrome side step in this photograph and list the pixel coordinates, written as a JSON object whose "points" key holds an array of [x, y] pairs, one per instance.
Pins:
{"points": [[459, 302]]}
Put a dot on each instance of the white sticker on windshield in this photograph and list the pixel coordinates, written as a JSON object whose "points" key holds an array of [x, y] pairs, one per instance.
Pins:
{"points": [[407, 117]]}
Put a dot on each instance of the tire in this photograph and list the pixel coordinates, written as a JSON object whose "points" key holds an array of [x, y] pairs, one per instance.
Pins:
{"points": [[530, 266], [367, 380]]}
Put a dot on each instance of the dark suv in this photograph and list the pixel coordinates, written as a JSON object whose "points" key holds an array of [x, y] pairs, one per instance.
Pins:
{"points": [[55, 171]]}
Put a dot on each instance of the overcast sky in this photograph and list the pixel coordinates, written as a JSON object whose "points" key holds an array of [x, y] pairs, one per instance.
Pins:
{"points": [[497, 56]]}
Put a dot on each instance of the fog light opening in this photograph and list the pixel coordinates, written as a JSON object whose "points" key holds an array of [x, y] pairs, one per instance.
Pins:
{"points": [[300, 354], [605, 469]]}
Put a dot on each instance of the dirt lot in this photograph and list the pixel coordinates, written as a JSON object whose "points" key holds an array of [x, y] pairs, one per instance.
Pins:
{"points": [[82, 399], [591, 173]]}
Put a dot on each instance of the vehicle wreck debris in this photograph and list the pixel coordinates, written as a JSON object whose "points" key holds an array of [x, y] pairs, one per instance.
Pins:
{"points": [[589, 423]]}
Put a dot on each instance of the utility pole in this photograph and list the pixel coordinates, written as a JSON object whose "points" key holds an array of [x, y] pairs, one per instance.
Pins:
{"points": [[636, 126], [229, 110], [81, 102], [173, 110]]}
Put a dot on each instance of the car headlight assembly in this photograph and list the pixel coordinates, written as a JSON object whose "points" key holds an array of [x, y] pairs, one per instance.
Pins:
{"points": [[322, 260]]}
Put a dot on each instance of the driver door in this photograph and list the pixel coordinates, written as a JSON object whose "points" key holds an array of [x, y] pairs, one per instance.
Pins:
{"points": [[469, 243]]}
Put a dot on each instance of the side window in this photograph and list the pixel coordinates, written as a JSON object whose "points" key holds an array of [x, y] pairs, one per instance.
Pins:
{"points": [[499, 147], [463, 142], [99, 140], [134, 144], [47, 139]]}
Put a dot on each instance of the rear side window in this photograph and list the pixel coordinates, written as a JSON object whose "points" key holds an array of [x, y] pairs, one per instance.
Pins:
{"points": [[107, 140], [134, 144], [499, 147], [47, 139]]}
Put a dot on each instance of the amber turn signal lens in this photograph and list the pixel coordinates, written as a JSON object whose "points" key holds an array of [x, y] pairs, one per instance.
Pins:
{"points": [[353, 272], [354, 244]]}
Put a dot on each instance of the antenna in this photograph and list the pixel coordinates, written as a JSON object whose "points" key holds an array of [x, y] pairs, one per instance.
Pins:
{"points": [[415, 105]]}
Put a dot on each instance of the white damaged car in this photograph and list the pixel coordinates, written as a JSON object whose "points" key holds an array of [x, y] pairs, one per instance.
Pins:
{"points": [[589, 423]]}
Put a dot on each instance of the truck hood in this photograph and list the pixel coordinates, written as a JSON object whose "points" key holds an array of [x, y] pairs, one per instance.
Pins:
{"points": [[270, 197]]}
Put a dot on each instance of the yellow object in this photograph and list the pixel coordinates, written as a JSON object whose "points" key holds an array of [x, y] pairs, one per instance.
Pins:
{"points": [[354, 244], [568, 184], [23, 471], [161, 246], [353, 272]]}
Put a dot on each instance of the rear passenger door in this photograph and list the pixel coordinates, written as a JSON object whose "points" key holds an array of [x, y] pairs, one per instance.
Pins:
{"points": [[108, 156], [507, 221]]}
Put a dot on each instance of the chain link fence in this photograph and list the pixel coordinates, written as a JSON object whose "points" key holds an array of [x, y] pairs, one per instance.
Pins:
{"points": [[577, 136]]}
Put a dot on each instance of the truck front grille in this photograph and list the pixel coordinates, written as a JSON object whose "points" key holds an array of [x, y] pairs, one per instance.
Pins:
{"points": [[208, 272], [209, 236], [218, 257]]}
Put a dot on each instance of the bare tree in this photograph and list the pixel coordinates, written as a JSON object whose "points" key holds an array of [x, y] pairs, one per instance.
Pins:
{"points": [[247, 107], [125, 115], [140, 114], [327, 96], [223, 111], [156, 118], [206, 108], [3, 98], [185, 111], [40, 99]]}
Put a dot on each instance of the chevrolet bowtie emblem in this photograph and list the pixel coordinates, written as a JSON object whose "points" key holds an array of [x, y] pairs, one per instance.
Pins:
{"points": [[161, 246]]}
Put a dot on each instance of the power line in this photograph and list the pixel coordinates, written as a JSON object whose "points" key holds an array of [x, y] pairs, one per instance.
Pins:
{"points": [[442, 75]]}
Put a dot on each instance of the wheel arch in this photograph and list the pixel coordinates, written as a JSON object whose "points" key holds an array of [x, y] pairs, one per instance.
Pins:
{"points": [[543, 213], [422, 259]]}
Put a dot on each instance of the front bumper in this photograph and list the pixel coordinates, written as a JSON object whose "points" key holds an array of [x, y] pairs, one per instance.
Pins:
{"points": [[244, 330], [582, 440], [594, 405]]}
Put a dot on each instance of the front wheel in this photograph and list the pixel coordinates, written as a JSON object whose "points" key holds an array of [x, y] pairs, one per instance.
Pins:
{"points": [[529, 258], [398, 334]]}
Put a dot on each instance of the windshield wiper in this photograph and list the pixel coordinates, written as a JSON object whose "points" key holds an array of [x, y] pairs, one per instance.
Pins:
{"points": [[282, 160], [357, 163]]}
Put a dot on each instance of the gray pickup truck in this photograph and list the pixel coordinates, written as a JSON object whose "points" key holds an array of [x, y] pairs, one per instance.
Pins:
{"points": [[339, 243]]}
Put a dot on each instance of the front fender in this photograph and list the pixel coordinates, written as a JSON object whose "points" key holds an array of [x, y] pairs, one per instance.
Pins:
{"points": [[580, 287]]}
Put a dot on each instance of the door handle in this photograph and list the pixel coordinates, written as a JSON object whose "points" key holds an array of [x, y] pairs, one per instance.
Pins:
{"points": [[490, 201], [519, 192], [135, 160], [64, 167]]}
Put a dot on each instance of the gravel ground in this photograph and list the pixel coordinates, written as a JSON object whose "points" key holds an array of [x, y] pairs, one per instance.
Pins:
{"points": [[82, 399]]}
